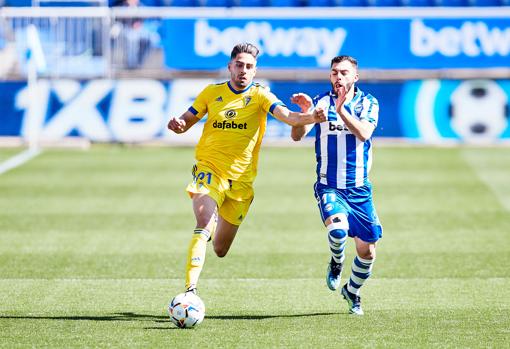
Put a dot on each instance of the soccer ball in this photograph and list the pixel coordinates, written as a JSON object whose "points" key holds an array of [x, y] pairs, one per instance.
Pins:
{"points": [[186, 310]]}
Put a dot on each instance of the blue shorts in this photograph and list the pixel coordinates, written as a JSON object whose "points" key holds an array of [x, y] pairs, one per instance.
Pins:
{"points": [[356, 204]]}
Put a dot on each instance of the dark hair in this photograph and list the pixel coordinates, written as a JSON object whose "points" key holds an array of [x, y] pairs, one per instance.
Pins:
{"points": [[244, 48], [339, 59]]}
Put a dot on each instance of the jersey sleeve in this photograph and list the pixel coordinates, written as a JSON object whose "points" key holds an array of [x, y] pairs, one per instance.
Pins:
{"points": [[199, 106], [370, 111], [268, 100]]}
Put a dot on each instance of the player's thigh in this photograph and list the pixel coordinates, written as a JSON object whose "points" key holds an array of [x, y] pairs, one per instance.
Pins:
{"points": [[332, 206], [205, 210], [364, 221], [206, 184], [237, 202]]}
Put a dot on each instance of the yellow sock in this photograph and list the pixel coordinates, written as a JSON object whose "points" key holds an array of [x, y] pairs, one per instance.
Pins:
{"points": [[196, 256]]}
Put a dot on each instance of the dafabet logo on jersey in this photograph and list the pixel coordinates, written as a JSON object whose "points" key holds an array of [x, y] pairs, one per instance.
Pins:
{"points": [[229, 115]]}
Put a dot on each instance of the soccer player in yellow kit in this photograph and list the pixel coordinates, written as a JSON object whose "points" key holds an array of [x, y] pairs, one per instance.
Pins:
{"points": [[227, 153]]}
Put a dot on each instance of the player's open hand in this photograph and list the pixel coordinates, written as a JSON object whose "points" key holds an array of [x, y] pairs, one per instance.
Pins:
{"points": [[177, 125], [341, 93], [302, 100], [319, 115]]}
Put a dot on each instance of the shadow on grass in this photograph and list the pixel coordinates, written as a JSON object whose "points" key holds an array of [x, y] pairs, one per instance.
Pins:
{"points": [[113, 317], [245, 317], [262, 317], [154, 318]]}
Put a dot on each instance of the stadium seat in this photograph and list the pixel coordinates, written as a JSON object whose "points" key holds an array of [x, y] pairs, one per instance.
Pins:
{"points": [[320, 3], [387, 3], [217, 3], [453, 3], [352, 3], [418, 3], [253, 3], [286, 3], [184, 3], [487, 3], [150, 3], [18, 3]]}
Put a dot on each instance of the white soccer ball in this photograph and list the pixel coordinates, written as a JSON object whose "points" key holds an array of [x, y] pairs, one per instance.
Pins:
{"points": [[186, 310]]}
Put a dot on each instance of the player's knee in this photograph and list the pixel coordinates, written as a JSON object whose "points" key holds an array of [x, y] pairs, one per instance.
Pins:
{"points": [[338, 226], [368, 254], [221, 251]]}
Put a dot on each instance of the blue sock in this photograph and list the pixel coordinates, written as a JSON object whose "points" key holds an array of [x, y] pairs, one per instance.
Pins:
{"points": [[361, 271], [337, 239]]}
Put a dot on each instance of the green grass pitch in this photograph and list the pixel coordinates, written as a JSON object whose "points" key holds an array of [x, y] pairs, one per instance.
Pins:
{"points": [[93, 245]]}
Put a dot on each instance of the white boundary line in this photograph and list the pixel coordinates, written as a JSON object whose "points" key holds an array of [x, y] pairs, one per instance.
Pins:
{"points": [[485, 176], [18, 160]]}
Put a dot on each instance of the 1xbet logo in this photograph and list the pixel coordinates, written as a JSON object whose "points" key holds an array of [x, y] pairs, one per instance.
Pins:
{"points": [[337, 127]]}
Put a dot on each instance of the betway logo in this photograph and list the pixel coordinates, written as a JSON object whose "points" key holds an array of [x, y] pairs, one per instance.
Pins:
{"points": [[321, 43], [471, 39]]}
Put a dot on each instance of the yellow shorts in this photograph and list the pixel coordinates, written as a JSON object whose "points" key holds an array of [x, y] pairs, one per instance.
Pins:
{"points": [[232, 197]]}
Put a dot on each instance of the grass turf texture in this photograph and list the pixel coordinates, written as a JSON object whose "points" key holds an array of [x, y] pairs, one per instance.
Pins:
{"points": [[93, 245]]}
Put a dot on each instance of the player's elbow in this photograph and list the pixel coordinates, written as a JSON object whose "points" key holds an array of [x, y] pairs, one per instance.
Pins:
{"points": [[364, 135], [363, 138], [296, 137], [292, 122]]}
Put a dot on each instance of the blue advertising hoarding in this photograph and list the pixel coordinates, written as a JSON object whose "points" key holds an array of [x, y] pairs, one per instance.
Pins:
{"points": [[404, 40], [427, 111]]}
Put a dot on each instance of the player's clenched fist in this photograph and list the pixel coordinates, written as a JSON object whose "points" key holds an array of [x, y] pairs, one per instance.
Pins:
{"points": [[319, 115], [177, 125]]}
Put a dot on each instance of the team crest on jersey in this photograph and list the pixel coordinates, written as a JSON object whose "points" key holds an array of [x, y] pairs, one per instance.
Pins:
{"points": [[219, 99], [358, 108], [247, 100], [230, 114]]}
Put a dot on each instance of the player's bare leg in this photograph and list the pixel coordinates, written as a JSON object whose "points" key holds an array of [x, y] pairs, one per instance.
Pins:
{"points": [[205, 209], [225, 234], [361, 271]]}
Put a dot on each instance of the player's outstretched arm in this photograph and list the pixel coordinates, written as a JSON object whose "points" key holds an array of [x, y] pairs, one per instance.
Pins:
{"points": [[305, 104], [293, 118], [182, 124]]}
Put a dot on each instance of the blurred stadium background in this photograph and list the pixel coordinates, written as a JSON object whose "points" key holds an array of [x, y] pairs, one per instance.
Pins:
{"points": [[439, 67]]}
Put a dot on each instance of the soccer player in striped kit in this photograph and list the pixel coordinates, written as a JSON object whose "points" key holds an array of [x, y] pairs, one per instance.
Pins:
{"points": [[343, 148]]}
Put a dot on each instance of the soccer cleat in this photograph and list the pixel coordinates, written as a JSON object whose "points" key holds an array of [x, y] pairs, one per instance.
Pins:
{"points": [[333, 274], [353, 300]]}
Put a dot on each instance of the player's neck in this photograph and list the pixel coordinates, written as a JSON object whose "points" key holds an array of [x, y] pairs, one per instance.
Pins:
{"points": [[238, 88]]}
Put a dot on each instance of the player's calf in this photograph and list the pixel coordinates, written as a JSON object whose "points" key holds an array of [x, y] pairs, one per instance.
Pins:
{"points": [[337, 237]]}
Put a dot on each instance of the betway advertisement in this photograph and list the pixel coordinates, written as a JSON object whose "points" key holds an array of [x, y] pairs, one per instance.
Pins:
{"points": [[378, 42], [427, 111]]}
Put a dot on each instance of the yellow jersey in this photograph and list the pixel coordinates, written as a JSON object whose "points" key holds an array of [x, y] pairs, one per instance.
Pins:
{"points": [[234, 128]]}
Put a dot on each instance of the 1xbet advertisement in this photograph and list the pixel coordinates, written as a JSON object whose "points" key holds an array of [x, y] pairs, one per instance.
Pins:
{"points": [[427, 111]]}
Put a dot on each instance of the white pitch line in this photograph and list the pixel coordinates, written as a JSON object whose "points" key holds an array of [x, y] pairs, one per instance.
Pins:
{"points": [[18, 160], [483, 171]]}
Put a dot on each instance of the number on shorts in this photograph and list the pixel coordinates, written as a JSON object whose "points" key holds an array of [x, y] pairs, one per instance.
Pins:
{"points": [[202, 175], [328, 197]]}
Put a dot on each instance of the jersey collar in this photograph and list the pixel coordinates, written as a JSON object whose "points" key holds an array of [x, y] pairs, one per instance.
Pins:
{"points": [[241, 91]]}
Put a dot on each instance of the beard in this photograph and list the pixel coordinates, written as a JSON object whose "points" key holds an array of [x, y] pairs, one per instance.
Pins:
{"points": [[240, 82], [347, 87]]}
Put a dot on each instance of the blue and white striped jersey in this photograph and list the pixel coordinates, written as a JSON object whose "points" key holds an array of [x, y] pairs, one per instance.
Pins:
{"points": [[343, 161]]}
